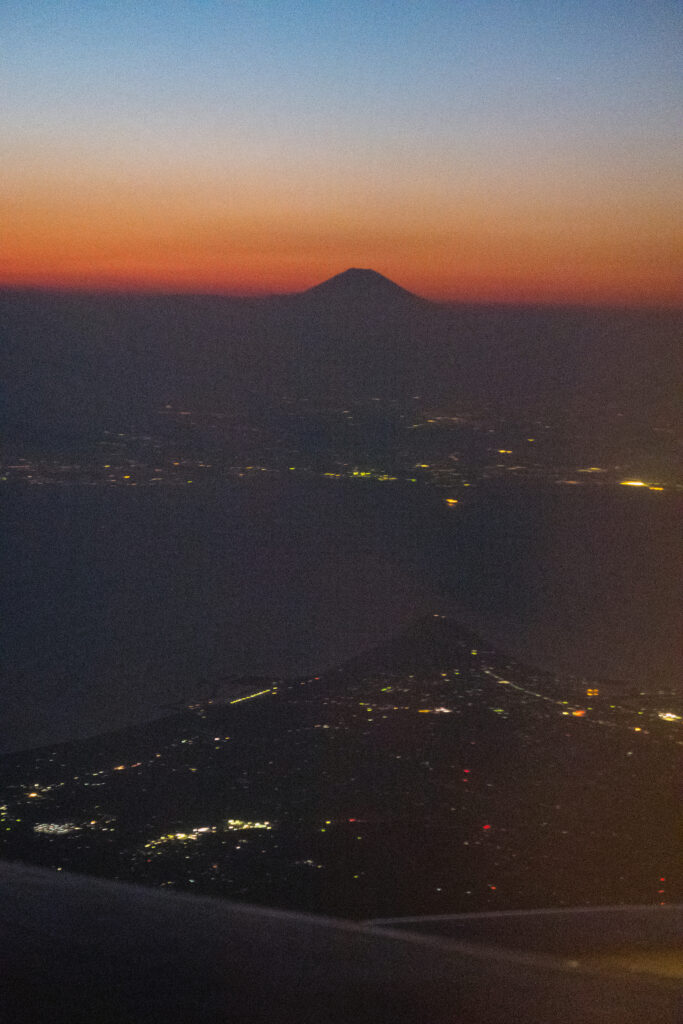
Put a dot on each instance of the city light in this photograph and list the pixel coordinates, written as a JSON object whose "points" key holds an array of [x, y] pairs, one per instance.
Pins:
{"points": [[237, 825], [56, 828]]}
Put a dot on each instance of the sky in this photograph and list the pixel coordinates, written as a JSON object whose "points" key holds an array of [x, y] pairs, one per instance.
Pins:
{"points": [[488, 150]]}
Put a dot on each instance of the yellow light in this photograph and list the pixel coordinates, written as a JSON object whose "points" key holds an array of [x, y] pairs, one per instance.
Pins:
{"points": [[250, 696], [653, 488], [451, 501], [632, 483]]}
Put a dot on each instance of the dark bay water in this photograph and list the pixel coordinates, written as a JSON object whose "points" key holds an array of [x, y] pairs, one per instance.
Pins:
{"points": [[114, 602]]}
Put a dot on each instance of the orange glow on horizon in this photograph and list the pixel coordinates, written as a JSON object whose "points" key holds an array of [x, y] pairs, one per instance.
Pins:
{"points": [[512, 156], [108, 237], [258, 281]]}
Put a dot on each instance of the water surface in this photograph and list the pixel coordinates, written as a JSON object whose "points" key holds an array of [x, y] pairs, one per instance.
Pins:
{"points": [[118, 601]]}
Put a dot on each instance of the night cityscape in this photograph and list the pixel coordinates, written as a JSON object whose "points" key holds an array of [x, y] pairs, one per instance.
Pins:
{"points": [[373, 439], [431, 775], [341, 472]]}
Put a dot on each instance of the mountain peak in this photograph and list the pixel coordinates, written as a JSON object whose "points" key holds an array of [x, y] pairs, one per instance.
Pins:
{"points": [[362, 285]]}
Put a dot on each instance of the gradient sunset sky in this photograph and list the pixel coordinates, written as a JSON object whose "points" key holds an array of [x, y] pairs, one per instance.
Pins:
{"points": [[468, 149]]}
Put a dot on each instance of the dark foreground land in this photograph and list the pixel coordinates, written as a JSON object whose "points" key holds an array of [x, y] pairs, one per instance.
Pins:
{"points": [[431, 776]]}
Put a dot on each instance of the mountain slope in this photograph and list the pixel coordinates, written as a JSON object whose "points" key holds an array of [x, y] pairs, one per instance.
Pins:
{"points": [[417, 780], [357, 285]]}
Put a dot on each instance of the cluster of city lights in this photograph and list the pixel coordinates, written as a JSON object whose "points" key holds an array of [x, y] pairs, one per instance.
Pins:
{"points": [[231, 825], [55, 828], [640, 483]]}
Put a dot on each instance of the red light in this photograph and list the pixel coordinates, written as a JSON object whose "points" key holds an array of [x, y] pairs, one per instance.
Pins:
{"points": [[466, 770], [352, 819], [662, 879], [493, 888], [486, 827]]}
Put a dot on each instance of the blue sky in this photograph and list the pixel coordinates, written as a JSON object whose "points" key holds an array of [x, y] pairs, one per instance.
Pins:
{"points": [[554, 114]]}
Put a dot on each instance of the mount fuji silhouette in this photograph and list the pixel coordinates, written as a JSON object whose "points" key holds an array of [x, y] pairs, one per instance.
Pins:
{"points": [[357, 285]]}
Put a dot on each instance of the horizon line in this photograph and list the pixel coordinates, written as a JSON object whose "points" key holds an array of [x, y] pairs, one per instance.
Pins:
{"points": [[167, 291]]}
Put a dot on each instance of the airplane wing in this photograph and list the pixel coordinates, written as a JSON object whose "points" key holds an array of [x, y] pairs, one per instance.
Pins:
{"points": [[77, 950]]}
